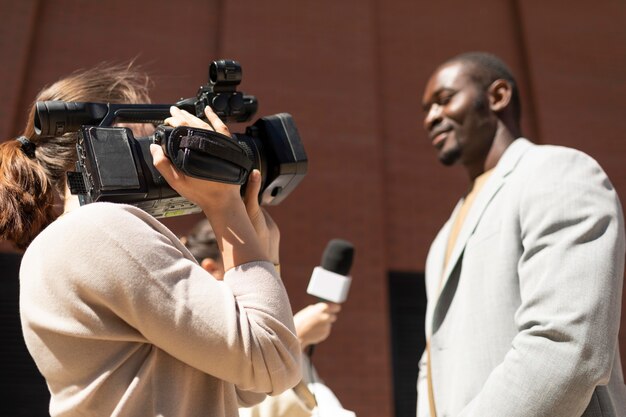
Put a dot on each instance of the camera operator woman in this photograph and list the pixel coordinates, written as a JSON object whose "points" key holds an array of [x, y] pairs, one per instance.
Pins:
{"points": [[118, 316]]}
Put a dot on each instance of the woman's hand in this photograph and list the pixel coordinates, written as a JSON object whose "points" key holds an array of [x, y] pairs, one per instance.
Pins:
{"points": [[206, 194], [264, 225], [314, 322], [243, 230]]}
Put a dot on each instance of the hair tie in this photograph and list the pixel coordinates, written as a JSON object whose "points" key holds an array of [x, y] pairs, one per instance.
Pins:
{"points": [[27, 147]]}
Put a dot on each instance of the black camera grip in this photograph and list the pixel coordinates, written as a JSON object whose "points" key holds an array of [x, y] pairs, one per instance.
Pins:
{"points": [[220, 148]]}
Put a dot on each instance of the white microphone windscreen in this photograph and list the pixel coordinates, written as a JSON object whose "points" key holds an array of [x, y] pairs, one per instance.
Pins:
{"points": [[328, 285]]}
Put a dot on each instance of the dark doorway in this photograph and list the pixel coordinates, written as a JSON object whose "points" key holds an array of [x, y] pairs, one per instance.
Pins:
{"points": [[407, 304], [24, 389]]}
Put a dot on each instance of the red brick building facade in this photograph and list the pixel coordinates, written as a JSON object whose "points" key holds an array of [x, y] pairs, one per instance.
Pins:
{"points": [[351, 73]]}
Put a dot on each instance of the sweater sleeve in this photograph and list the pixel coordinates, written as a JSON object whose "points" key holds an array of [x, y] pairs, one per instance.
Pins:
{"points": [[141, 284]]}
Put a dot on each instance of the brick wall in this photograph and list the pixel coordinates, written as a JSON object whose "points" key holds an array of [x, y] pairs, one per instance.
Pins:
{"points": [[351, 73]]}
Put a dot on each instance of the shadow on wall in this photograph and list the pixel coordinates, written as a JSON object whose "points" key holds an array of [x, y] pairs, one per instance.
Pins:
{"points": [[24, 390]]}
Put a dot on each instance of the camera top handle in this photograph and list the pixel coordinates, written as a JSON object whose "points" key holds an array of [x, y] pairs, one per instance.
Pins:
{"points": [[54, 118]]}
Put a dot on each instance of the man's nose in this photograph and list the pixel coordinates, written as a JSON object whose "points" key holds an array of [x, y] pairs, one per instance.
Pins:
{"points": [[433, 116]]}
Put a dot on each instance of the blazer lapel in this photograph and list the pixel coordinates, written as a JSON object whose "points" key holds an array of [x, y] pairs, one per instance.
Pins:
{"points": [[505, 166]]}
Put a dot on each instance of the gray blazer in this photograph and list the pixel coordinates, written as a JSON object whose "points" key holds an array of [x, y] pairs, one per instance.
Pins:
{"points": [[524, 320]]}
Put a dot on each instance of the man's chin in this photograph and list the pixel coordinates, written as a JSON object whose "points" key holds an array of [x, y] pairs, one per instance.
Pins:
{"points": [[449, 158]]}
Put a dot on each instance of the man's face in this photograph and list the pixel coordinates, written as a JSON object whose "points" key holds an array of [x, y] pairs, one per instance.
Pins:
{"points": [[460, 124]]}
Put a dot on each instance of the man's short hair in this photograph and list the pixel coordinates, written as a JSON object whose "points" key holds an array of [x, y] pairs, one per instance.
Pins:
{"points": [[488, 69]]}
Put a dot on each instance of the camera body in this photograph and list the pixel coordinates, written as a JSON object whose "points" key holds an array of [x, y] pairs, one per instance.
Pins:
{"points": [[115, 166]]}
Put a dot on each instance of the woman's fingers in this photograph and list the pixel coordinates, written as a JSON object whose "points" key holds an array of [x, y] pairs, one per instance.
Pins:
{"points": [[328, 311], [251, 198], [164, 165], [184, 118], [216, 122], [333, 308]]}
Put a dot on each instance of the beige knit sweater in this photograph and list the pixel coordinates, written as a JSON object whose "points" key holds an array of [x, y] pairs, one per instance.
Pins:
{"points": [[121, 321]]}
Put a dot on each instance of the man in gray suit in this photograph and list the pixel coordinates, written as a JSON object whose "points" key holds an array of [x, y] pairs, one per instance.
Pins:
{"points": [[524, 281]]}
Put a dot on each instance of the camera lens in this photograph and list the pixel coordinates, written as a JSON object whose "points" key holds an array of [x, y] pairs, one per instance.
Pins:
{"points": [[236, 102], [213, 72], [225, 72], [219, 103]]}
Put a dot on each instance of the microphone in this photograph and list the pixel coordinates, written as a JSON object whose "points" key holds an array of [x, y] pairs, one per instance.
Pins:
{"points": [[330, 281]]}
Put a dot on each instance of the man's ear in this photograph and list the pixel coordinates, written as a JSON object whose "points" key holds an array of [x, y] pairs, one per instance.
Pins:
{"points": [[500, 93]]}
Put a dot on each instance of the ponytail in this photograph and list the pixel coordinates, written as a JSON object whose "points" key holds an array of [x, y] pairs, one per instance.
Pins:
{"points": [[26, 196]]}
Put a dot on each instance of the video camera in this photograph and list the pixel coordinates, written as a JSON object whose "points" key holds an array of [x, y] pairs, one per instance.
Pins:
{"points": [[115, 166]]}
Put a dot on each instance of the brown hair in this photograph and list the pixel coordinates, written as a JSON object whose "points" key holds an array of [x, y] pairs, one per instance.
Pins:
{"points": [[28, 185]]}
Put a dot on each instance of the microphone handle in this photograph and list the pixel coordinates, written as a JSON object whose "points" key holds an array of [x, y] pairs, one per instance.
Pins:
{"points": [[311, 348]]}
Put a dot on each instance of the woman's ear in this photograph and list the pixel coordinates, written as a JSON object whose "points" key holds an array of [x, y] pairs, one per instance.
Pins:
{"points": [[500, 93]]}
